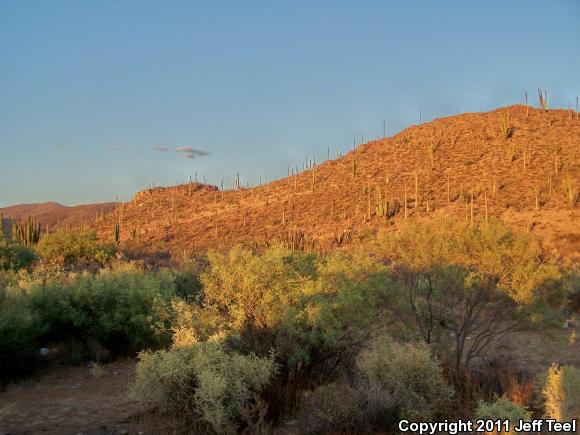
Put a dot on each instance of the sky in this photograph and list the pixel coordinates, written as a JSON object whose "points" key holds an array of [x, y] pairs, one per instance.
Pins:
{"points": [[99, 100]]}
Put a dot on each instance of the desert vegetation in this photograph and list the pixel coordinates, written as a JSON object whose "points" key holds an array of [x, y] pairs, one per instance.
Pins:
{"points": [[410, 323], [352, 294]]}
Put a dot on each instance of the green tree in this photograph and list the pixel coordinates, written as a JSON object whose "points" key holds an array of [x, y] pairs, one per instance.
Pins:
{"points": [[72, 248], [314, 312], [13, 255], [470, 285]]}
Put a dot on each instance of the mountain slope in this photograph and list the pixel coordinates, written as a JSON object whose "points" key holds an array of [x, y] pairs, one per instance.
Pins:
{"points": [[53, 214], [443, 163]]}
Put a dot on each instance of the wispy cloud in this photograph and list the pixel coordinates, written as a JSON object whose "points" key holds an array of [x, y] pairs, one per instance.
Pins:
{"points": [[187, 152], [191, 153], [70, 147]]}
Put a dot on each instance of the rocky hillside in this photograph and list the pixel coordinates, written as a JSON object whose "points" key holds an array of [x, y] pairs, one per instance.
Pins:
{"points": [[517, 163], [53, 214]]}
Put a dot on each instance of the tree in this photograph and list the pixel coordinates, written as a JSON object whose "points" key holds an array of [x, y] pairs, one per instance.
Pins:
{"points": [[13, 255], [468, 285], [314, 312]]}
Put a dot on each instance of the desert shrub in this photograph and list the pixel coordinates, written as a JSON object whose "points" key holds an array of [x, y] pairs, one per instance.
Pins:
{"points": [[314, 312], [204, 380], [72, 248], [494, 250], [188, 281], [561, 392], [20, 328], [332, 407], [502, 409], [466, 287], [117, 309], [8, 278], [572, 286], [407, 375], [13, 255], [183, 324]]}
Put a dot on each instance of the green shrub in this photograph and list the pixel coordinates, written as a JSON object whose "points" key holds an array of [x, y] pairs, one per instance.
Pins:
{"points": [[20, 328], [204, 380], [561, 392], [314, 312], [117, 309], [465, 287], [72, 248], [332, 407], [407, 375], [494, 250], [392, 381], [14, 256], [188, 282], [502, 409], [572, 288]]}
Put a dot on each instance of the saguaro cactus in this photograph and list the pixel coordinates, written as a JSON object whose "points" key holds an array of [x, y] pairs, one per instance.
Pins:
{"points": [[26, 233], [117, 234]]}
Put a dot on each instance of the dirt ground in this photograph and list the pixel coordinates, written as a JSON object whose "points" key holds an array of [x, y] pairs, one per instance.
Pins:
{"points": [[79, 400], [70, 400]]}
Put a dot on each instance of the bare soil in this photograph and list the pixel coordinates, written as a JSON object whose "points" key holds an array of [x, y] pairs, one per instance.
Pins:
{"points": [[70, 400]]}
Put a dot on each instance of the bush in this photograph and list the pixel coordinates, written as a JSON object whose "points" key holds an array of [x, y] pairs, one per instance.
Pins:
{"points": [[493, 250], [20, 328], [203, 380], [393, 381], [561, 392], [407, 375], [465, 288], [314, 312], [117, 309], [332, 407], [14, 256], [73, 248], [502, 409], [188, 283]]}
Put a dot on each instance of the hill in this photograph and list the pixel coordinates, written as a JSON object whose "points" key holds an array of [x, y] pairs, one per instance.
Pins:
{"points": [[53, 214], [517, 163]]}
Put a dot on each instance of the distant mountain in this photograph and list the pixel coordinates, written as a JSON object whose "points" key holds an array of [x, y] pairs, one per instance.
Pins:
{"points": [[517, 163], [56, 215]]}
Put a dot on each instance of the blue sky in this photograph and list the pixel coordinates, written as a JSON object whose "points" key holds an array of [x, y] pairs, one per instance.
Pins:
{"points": [[95, 97]]}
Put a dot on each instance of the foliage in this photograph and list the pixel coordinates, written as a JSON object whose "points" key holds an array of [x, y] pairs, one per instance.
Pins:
{"points": [[515, 260], [332, 407], [13, 255], [20, 328], [468, 285], [117, 309], [572, 288], [314, 312], [502, 409], [72, 248], [561, 392], [407, 374], [204, 378], [188, 282], [392, 381], [183, 324]]}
